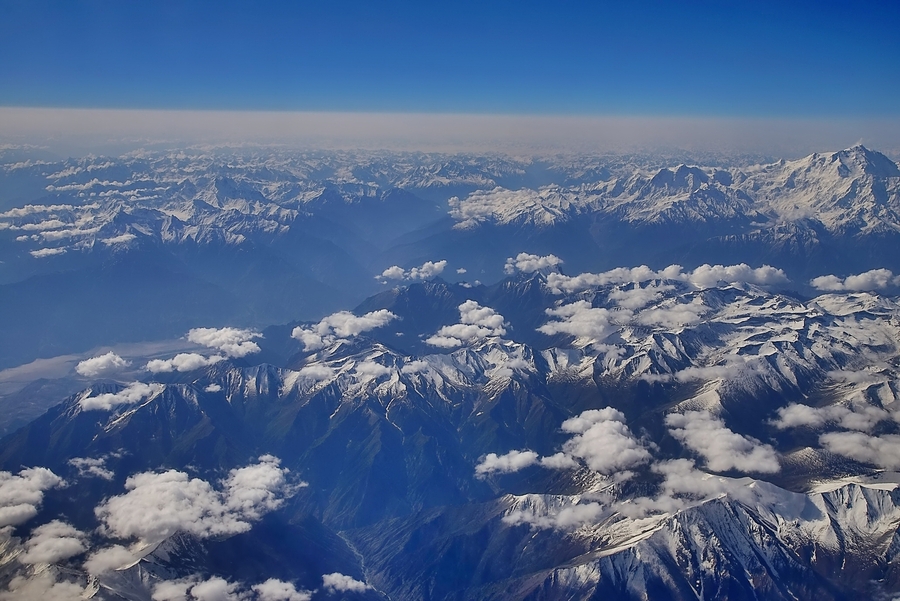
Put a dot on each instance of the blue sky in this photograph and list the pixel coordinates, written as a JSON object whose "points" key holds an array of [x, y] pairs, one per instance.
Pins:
{"points": [[724, 58]]}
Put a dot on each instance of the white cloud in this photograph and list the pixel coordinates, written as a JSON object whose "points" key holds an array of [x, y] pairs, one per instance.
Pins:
{"points": [[102, 365], [582, 320], [121, 239], [43, 586], [674, 315], [21, 495], [234, 342], [559, 461], [567, 518], [426, 271], [339, 583], [705, 276], [883, 451], [53, 542], [527, 263], [340, 325], [133, 393], [414, 367], [182, 362], [722, 448], [216, 589], [637, 297], [507, 463], [159, 504], [110, 558], [371, 369], [603, 441], [277, 590], [874, 279], [863, 418], [47, 252], [317, 372], [461, 270], [476, 323], [213, 388], [88, 466]]}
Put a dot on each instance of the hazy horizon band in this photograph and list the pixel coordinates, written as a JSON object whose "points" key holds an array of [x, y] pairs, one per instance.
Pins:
{"points": [[98, 128]]}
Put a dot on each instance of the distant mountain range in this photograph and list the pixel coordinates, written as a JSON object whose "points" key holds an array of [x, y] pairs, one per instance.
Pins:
{"points": [[670, 382]]}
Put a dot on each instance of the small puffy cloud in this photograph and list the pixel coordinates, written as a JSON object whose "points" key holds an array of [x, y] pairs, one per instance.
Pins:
{"points": [[102, 365], [461, 270], [110, 558], [216, 589], [43, 586], [277, 590], [675, 315], [156, 505], [570, 517], [234, 342], [340, 583], [426, 271], [527, 263], [371, 369], [53, 542], [317, 372], [475, 323], [131, 394], [47, 252], [637, 297], [340, 325], [582, 320], [505, 464], [414, 367], [705, 276], [863, 418], [22, 494], [874, 279], [559, 461], [722, 448], [603, 441], [883, 451], [182, 362], [91, 467], [121, 239], [213, 388]]}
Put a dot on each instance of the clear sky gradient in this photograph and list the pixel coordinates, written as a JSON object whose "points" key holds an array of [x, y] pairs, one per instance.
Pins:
{"points": [[692, 59]]}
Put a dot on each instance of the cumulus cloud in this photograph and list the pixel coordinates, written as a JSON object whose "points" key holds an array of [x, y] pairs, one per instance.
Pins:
{"points": [[426, 271], [637, 297], [22, 494], [475, 323], [91, 467], [131, 394], [722, 448], [527, 263], [102, 365], [47, 252], [567, 518], [674, 315], [863, 418], [156, 505], [43, 586], [234, 342], [53, 542], [110, 558], [121, 239], [340, 325], [874, 279], [182, 362], [414, 367], [603, 441], [340, 583], [883, 451], [317, 372], [213, 388], [277, 590], [371, 369], [705, 276], [582, 320], [461, 270], [507, 463]]}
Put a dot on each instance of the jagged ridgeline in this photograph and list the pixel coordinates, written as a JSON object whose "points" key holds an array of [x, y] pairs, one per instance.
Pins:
{"points": [[675, 382]]}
